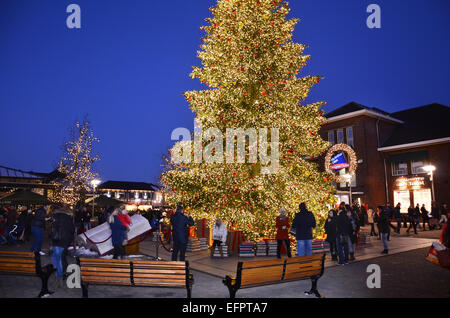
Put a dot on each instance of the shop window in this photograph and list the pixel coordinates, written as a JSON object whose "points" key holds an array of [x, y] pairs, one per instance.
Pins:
{"points": [[399, 169], [350, 141], [417, 167], [331, 137], [340, 136], [345, 184]]}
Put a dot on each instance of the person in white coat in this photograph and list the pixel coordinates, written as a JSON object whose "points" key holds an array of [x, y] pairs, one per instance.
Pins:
{"points": [[219, 237]]}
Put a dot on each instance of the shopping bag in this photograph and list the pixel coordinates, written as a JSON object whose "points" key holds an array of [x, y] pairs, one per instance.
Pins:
{"points": [[433, 252]]}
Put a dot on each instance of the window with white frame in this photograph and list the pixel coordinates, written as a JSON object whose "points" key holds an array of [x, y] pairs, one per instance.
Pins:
{"points": [[417, 167], [350, 140], [340, 136], [331, 137], [399, 169]]}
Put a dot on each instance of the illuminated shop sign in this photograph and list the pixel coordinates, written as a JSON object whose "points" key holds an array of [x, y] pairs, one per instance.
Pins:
{"points": [[410, 183]]}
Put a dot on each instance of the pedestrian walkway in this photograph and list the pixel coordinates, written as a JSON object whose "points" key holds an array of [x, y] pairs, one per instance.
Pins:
{"points": [[202, 262]]}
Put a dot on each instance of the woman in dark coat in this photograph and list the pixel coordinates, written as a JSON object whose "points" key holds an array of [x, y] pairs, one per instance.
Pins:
{"points": [[62, 234], [330, 231], [383, 226]]}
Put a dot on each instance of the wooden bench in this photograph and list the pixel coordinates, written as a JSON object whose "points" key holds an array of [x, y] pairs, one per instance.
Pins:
{"points": [[134, 274], [26, 263], [258, 273]]}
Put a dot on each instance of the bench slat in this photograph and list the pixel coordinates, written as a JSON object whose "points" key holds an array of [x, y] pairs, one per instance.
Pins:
{"points": [[252, 264], [305, 259], [302, 274], [159, 271], [17, 265], [105, 269], [153, 282], [18, 260], [18, 254], [162, 277]]}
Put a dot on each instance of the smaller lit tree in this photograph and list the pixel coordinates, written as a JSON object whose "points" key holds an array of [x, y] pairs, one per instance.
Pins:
{"points": [[76, 164]]}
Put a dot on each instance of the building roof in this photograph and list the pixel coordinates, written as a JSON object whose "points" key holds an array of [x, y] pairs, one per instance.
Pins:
{"points": [[354, 109], [130, 186], [425, 123]]}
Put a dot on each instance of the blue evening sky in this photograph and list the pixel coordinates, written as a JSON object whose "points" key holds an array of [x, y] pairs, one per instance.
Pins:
{"points": [[130, 62]]}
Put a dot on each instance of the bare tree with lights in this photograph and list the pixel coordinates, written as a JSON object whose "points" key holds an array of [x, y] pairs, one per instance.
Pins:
{"points": [[76, 164]]}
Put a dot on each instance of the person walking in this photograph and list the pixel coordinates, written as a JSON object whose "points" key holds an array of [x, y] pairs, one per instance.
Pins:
{"points": [[86, 216], [331, 231], [412, 219], [417, 213], [398, 217], [371, 221], [343, 229], [304, 222], [219, 237], [283, 225], [61, 236], [38, 228], [180, 223], [443, 220], [435, 215], [353, 233], [384, 228], [11, 219], [425, 217], [118, 234]]}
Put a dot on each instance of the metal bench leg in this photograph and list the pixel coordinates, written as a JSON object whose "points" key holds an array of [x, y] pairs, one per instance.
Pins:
{"points": [[313, 288], [44, 276], [84, 289]]}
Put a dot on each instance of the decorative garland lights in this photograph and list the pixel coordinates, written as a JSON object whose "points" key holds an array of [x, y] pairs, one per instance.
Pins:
{"points": [[350, 154]]}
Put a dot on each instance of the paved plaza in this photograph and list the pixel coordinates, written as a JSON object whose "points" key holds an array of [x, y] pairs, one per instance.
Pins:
{"points": [[404, 273]]}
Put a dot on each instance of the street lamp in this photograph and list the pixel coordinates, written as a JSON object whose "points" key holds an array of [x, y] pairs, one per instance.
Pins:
{"points": [[349, 178], [431, 169], [94, 183]]}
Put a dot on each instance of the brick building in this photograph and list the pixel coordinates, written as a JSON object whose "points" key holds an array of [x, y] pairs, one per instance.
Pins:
{"points": [[392, 149]]}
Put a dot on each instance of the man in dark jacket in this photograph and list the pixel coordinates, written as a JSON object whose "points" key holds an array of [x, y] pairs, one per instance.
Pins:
{"points": [[38, 228], [118, 234], [330, 231], [398, 217], [61, 236], [304, 222], [425, 217], [383, 225], [343, 230], [412, 219], [180, 223]]}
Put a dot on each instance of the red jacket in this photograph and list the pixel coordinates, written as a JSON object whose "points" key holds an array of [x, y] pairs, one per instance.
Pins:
{"points": [[283, 234], [124, 219]]}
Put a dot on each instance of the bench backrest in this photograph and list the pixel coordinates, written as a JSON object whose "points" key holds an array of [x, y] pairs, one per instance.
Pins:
{"points": [[23, 263], [271, 271], [134, 273]]}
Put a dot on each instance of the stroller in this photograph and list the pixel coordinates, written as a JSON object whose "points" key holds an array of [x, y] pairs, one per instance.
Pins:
{"points": [[16, 234]]}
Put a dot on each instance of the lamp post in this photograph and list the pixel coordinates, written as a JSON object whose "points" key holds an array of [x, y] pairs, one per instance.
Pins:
{"points": [[94, 183], [430, 169], [349, 178]]}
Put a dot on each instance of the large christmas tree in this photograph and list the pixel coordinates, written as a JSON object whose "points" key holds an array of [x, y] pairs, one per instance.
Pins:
{"points": [[251, 67]]}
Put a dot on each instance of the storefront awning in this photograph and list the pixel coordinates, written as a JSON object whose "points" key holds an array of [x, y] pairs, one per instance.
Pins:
{"points": [[408, 156]]}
